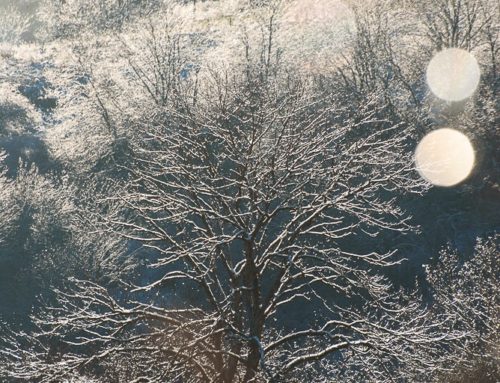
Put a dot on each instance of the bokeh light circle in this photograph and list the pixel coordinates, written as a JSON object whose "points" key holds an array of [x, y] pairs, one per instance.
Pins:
{"points": [[453, 74], [444, 157]]}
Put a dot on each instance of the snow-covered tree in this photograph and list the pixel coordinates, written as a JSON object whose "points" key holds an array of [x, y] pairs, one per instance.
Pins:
{"points": [[250, 188], [468, 291]]}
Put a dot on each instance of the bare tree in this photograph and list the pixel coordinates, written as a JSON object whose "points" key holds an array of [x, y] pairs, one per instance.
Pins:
{"points": [[458, 23], [251, 203], [468, 291]]}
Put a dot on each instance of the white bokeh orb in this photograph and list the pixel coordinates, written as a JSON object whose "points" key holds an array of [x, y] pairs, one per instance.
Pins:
{"points": [[453, 74], [444, 157]]}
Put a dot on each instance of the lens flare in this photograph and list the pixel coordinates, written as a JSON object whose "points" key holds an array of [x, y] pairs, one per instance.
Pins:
{"points": [[453, 74], [444, 157]]}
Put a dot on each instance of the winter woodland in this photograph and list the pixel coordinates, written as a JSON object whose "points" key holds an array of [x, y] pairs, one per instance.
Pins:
{"points": [[249, 191]]}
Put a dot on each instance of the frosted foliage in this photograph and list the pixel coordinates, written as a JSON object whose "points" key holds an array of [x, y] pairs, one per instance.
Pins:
{"points": [[12, 25], [8, 209], [444, 157], [469, 292], [453, 74], [255, 158], [17, 115], [71, 18], [315, 33]]}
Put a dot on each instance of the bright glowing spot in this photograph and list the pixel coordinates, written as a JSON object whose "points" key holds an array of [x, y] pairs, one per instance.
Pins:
{"points": [[453, 74], [444, 157]]}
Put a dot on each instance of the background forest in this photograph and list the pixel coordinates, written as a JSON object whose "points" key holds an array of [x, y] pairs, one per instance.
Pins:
{"points": [[225, 191]]}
